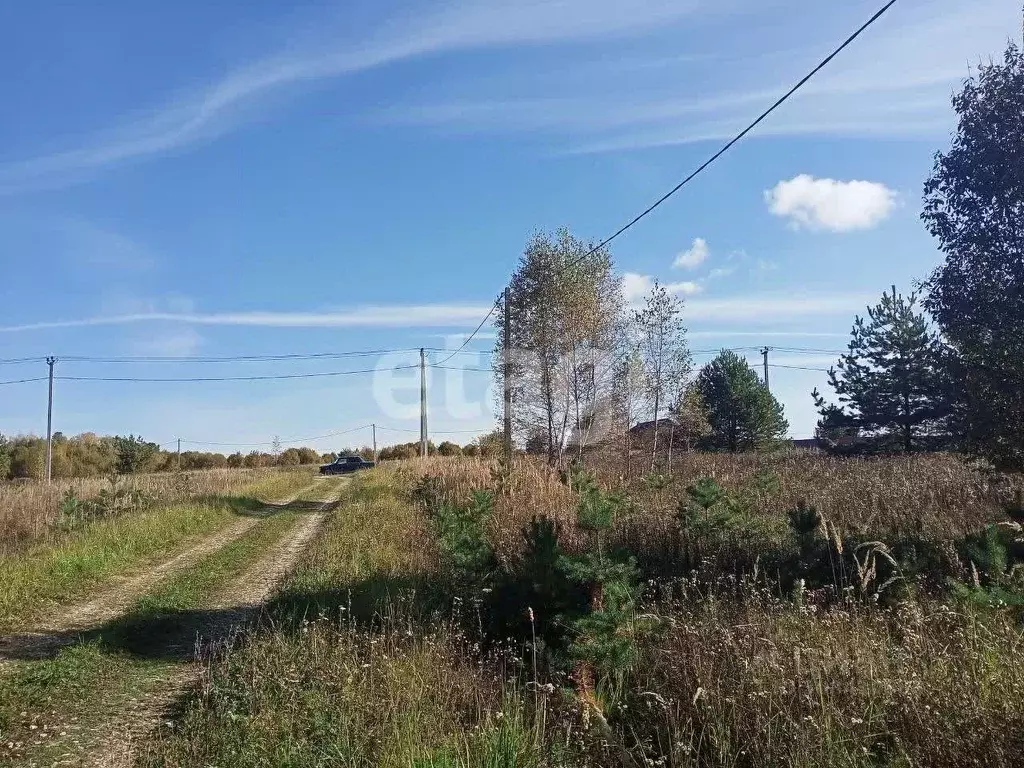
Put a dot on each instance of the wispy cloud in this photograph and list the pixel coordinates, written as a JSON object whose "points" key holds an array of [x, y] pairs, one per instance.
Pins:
{"points": [[894, 82], [93, 245], [210, 112], [775, 307], [384, 316], [180, 342], [765, 334]]}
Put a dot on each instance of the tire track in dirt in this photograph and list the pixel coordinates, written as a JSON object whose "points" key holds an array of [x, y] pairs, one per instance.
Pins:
{"points": [[63, 625], [237, 605]]}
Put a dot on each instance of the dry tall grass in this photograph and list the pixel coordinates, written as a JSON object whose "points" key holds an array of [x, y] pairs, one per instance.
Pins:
{"points": [[766, 682], [932, 495], [29, 509]]}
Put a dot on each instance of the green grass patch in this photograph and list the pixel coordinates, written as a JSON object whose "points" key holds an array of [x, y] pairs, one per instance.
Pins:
{"points": [[351, 699], [45, 705]]}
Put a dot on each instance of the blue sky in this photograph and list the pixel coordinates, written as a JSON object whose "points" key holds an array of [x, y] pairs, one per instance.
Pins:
{"points": [[199, 180]]}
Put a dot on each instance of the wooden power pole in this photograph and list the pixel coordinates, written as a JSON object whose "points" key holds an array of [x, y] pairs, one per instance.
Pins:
{"points": [[423, 403], [507, 376], [49, 422], [764, 353]]}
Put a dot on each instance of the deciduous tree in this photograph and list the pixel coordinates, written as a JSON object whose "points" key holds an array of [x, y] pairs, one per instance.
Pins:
{"points": [[664, 354], [565, 306], [974, 206]]}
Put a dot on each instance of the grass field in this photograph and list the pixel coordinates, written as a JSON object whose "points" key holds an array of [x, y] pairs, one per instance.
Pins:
{"points": [[799, 611], [743, 611], [60, 568], [30, 511]]}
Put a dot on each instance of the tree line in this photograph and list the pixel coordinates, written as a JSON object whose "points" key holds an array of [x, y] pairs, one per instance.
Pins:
{"points": [[90, 455], [942, 368]]}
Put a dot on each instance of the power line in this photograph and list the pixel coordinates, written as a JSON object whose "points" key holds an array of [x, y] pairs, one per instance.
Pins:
{"points": [[24, 381], [331, 374], [797, 367], [810, 351], [732, 142], [21, 360], [290, 441], [433, 431], [469, 338], [268, 377], [235, 358], [457, 368]]}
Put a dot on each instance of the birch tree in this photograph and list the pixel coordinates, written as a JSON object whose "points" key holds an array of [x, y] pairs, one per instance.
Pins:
{"points": [[564, 306], [664, 352]]}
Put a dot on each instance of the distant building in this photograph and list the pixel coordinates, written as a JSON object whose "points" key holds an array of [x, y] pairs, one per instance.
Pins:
{"points": [[645, 428]]}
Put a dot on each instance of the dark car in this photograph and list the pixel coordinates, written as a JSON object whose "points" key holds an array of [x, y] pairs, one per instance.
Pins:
{"points": [[344, 464]]}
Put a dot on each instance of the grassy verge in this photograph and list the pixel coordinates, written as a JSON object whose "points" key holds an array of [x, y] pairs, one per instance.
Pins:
{"points": [[363, 680], [49, 707], [30, 582]]}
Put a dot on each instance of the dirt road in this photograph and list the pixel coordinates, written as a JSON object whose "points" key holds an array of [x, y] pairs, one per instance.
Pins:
{"points": [[116, 742], [63, 625]]}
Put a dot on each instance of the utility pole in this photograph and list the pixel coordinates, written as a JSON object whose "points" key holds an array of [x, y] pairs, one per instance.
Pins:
{"points": [[49, 423], [764, 353], [374, 426], [507, 376], [423, 403], [179, 454]]}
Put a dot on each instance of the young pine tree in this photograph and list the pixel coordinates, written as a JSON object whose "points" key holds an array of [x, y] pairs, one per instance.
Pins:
{"points": [[742, 414], [890, 384]]}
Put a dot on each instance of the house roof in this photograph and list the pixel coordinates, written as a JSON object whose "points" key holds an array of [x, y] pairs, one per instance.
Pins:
{"points": [[646, 426]]}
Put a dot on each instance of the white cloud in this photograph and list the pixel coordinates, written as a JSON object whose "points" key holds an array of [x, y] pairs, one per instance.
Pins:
{"points": [[635, 287], [694, 256], [837, 206], [684, 288], [384, 316]]}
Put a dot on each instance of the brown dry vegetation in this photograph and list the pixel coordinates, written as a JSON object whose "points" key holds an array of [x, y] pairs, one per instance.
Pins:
{"points": [[934, 495]]}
